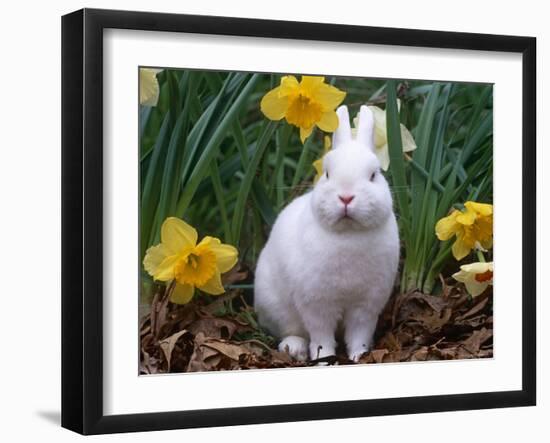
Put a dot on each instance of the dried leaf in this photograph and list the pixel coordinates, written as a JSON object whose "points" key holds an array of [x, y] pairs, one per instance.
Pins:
{"points": [[480, 304], [214, 327], [412, 327], [420, 355], [474, 342], [230, 350], [219, 302], [434, 321], [235, 275], [167, 345], [378, 355]]}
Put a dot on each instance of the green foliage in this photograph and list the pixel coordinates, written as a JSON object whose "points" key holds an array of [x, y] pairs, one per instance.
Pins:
{"points": [[210, 157], [452, 164]]}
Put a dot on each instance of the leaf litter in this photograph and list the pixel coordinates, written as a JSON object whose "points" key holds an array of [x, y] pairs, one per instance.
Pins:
{"points": [[222, 333]]}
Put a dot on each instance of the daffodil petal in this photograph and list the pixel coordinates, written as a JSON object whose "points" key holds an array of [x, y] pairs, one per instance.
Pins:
{"points": [[460, 249], [311, 82], [328, 122], [486, 243], [149, 89], [226, 255], [305, 133], [165, 270], [482, 230], [182, 294], [407, 140], [467, 217], [484, 209], [154, 256], [378, 114], [478, 267], [273, 105], [214, 285], [461, 276], [318, 165], [177, 235], [447, 226], [475, 288], [380, 135], [328, 97], [327, 144], [289, 86], [383, 155]]}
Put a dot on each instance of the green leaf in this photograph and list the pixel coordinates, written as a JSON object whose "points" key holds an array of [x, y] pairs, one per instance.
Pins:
{"points": [[151, 187], [263, 203], [397, 162], [202, 165], [176, 148], [173, 93], [249, 176], [424, 237], [423, 133]]}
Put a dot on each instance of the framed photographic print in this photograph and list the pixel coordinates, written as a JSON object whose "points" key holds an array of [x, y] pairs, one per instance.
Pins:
{"points": [[270, 221]]}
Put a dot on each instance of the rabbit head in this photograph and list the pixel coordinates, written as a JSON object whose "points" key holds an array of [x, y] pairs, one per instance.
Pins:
{"points": [[352, 193]]}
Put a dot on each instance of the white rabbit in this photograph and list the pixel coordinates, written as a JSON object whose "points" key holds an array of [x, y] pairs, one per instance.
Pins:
{"points": [[332, 255]]}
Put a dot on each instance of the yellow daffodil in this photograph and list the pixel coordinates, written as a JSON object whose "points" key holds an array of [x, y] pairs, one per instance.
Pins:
{"points": [[318, 164], [472, 227], [179, 258], [149, 88], [476, 277], [305, 104], [381, 137]]}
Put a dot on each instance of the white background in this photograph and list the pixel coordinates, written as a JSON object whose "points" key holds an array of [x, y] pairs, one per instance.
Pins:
{"points": [[30, 190]]}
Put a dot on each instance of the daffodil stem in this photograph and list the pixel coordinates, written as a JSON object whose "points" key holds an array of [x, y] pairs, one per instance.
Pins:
{"points": [[480, 256], [170, 289]]}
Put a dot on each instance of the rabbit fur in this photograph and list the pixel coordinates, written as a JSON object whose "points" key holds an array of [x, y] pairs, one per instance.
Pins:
{"points": [[331, 259]]}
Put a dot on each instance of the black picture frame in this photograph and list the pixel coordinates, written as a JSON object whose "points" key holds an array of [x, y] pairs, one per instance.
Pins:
{"points": [[82, 220]]}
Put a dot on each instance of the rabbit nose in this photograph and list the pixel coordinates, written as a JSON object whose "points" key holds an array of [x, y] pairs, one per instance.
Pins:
{"points": [[346, 199]]}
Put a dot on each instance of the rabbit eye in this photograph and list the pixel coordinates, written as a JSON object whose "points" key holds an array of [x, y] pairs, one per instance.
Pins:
{"points": [[373, 176]]}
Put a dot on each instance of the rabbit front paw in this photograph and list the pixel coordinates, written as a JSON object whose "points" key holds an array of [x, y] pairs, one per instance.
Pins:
{"points": [[320, 350], [355, 354], [295, 346]]}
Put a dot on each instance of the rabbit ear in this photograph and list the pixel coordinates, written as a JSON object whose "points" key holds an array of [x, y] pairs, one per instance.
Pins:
{"points": [[365, 127], [343, 132]]}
